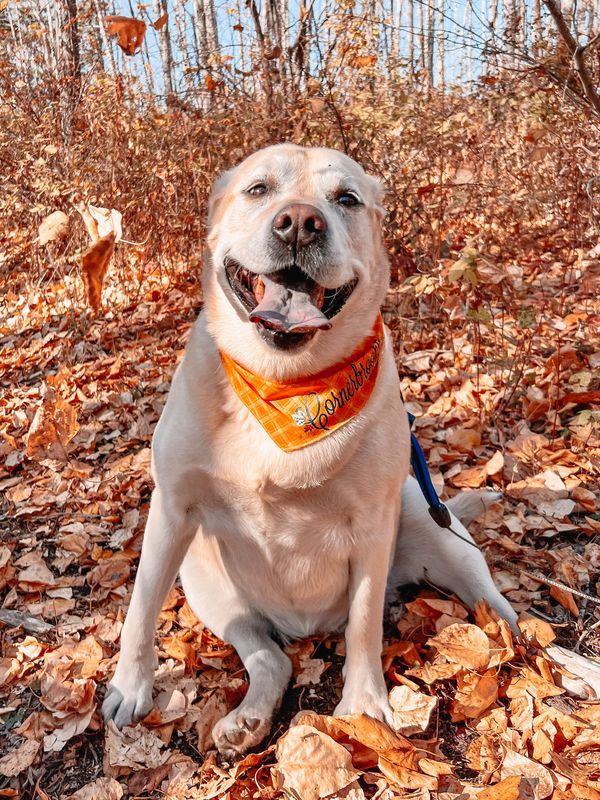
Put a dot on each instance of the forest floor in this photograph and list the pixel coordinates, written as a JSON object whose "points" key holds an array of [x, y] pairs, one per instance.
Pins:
{"points": [[480, 714]]}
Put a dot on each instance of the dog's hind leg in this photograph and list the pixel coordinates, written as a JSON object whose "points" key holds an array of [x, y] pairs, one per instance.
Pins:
{"points": [[424, 551], [217, 603]]}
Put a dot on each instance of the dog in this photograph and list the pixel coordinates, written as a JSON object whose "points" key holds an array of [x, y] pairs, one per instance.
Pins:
{"points": [[280, 462]]}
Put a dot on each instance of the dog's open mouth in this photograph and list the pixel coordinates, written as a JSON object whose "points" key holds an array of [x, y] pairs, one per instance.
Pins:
{"points": [[287, 302]]}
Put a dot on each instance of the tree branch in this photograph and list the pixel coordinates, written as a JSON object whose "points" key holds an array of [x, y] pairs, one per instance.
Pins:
{"points": [[577, 51]]}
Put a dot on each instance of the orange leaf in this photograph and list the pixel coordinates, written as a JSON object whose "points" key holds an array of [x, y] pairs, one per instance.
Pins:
{"points": [[130, 32], [53, 427], [513, 788], [210, 83], [464, 644], [94, 263], [160, 22], [565, 599]]}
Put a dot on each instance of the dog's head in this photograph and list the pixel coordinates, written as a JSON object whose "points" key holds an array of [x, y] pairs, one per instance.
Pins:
{"points": [[297, 270]]}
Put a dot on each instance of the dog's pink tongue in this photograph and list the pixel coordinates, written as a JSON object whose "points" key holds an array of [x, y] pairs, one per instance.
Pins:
{"points": [[288, 310]]}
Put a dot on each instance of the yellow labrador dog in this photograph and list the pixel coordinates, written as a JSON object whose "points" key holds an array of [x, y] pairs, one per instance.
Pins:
{"points": [[281, 458]]}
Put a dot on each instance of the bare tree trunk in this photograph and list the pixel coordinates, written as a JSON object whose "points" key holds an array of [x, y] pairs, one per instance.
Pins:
{"points": [[166, 54], [107, 52], [183, 44], [431, 14], [441, 42], [422, 55], [411, 36]]}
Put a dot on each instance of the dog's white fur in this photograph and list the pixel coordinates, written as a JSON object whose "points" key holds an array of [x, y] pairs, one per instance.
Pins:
{"points": [[267, 541]]}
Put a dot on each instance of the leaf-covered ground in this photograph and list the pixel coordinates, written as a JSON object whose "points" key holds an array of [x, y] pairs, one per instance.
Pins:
{"points": [[493, 235], [479, 714]]}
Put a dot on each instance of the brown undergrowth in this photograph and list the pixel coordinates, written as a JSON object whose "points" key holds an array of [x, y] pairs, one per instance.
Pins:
{"points": [[493, 241]]}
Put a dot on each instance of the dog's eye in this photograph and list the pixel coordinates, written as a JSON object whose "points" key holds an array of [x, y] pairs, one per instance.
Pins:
{"points": [[347, 199], [257, 189]]}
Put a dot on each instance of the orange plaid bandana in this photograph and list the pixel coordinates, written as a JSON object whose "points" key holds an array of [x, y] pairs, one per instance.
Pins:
{"points": [[299, 413]]}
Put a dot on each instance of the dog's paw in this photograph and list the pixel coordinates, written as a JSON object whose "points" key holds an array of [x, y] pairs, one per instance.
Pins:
{"points": [[239, 731], [127, 701], [371, 700]]}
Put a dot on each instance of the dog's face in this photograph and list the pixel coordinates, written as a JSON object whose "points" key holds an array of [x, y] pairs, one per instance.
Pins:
{"points": [[297, 270]]}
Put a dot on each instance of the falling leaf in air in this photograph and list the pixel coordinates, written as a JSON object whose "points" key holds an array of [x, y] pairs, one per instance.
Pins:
{"points": [[160, 22], [94, 263], [108, 220], [130, 32], [53, 227]]}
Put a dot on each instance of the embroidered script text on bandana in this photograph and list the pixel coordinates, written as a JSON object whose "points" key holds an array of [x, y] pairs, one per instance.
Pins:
{"points": [[299, 413]]}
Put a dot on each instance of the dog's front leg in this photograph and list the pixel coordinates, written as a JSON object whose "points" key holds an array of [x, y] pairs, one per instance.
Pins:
{"points": [[364, 685], [166, 539]]}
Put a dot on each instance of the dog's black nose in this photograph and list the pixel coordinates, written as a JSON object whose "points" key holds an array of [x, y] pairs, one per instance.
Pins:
{"points": [[299, 224]]}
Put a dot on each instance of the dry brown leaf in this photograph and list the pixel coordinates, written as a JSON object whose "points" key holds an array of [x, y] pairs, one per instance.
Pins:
{"points": [[312, 764], [110, 572], [211, 709], [537, 629], [465, 440], [160, 22], [586, 672], [519, 765], [108, 220], [100, 789], [513, 788], [35, 576], [311, 670], [412, 710], [132, 749], [19, 759], [474, 695], [368, 731], [463, 644], [130, 32], [52, 428], [430, 673], [54, 226], [566, 600], [94, 263], [484, 755]]}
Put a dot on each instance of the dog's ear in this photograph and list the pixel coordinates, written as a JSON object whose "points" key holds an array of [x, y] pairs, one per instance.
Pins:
{"points": [[219, 190], [378, 190]]}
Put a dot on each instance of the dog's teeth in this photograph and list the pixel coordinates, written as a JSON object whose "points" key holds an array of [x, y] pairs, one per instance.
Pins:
{"points": [[258, 287]]}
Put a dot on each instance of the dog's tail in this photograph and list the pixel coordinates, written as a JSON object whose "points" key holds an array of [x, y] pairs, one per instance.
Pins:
{"points": [[469, 505]]}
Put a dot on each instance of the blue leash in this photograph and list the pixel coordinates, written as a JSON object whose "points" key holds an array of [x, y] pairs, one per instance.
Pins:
{"points": [[438, 511]]}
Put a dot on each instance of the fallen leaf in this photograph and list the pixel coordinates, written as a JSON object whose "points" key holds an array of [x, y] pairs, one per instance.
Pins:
{"points": [[412, 710], [52, 428], [516, 764], [19, 759], [463, 644], [100, 789], [513, 788], [312, 764], [132, 749]]}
